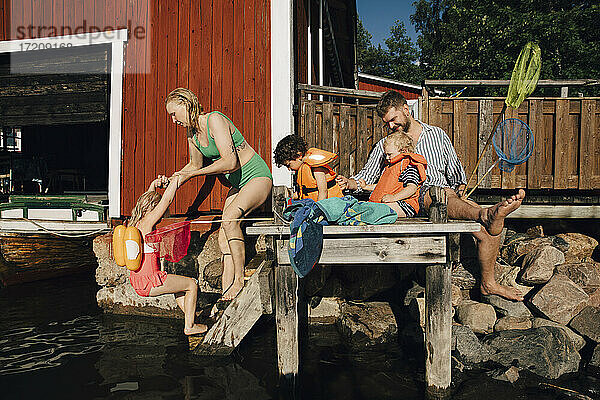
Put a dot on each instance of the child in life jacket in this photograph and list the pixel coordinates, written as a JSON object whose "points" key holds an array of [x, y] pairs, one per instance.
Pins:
{"points": [[401, 179], [315, 179], [149, 280]]}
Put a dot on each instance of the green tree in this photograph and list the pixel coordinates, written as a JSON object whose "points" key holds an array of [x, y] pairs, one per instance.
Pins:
{"points": [[481, 39], [399, 61], [371, 60]]}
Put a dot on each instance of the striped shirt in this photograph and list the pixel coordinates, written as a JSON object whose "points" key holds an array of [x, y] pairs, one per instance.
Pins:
{"points": [[443, 166], [410, 175]]}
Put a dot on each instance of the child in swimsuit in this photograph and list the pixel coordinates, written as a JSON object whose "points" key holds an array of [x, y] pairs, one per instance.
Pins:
{"points": [[402, 179], [149, 280], [315, 179]]}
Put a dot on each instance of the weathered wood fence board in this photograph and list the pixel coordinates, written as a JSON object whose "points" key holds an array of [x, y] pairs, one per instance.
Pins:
{"points": [[566, 131]]}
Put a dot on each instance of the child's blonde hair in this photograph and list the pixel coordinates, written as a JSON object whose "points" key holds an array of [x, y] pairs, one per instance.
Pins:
{"points": [[402, 141], [186, 98], [145, 203]]}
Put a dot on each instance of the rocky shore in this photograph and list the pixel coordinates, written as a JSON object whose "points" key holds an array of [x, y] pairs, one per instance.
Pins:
{"points": [[555, 331]]}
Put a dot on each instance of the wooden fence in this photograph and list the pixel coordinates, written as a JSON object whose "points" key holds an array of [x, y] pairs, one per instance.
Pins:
{"points": [[566, 131]]}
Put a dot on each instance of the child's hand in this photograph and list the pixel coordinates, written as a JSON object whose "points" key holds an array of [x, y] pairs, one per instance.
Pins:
{"points": [[362, 183], [387, 198]]}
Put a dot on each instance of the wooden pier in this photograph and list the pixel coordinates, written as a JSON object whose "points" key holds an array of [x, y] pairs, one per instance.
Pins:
{"points": [[274, 287]]}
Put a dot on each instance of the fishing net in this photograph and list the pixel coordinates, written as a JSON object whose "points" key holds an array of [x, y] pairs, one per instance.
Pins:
{"points": [[525, 75], [171, 241], [513, 142]]}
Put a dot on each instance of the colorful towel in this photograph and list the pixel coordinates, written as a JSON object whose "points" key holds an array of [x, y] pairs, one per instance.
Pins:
{"points": [[308, 217]]}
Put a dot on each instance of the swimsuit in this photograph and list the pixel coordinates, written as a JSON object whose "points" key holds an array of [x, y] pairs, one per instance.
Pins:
{"points": [[254, 168], [149, 275]]}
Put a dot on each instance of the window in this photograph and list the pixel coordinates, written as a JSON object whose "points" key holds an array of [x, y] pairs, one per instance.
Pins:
{"points": [[10, 139]]}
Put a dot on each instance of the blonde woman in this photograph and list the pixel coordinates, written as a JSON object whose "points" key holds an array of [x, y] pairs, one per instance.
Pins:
{"points": [[149, 280], [213, 136]]}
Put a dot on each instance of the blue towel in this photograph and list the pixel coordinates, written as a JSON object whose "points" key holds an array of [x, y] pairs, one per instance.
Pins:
{"points": [[308, 218]]}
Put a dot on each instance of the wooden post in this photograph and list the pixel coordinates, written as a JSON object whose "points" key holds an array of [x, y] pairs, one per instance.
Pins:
{"points": [[438, 311], [286, 317]]}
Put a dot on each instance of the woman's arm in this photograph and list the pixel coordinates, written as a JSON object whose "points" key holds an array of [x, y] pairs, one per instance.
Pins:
{"points": [[153, 216], [229, 160], [405, 193]]}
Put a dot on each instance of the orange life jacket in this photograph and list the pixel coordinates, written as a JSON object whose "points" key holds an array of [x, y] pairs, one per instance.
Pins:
{"points": [[389, 184], [307, 184]]}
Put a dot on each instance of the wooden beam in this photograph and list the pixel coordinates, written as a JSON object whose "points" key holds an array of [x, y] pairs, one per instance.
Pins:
{"points": [[335, 91], [549, 211], [239, 317], [499, 82], [370, 249]]}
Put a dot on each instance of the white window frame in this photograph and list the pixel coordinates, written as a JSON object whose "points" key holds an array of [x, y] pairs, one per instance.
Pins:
{"points": [[116, 39]]}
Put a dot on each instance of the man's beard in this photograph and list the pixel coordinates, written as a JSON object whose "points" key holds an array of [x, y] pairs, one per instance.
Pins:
{"points": [[404, 129]]}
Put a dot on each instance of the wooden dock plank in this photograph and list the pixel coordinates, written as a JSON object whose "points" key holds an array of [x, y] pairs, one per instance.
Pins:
{"points": [[240, 316]]}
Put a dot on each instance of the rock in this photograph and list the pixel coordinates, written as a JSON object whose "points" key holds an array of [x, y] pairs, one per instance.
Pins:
{"points": [[108, 273], [579, 246], [327, 311], [457, 296], [514, 252], [594, 299], [415, 291], [507, 323], [463, 278], [507, 276], [212, 273], [584, 274], [538, 265], [536, 231], [478, 316], [417, 310], [508, 375], [560, 299], [595, 361], [507, 307], [368, 324], [577, 340], [545, 351], [467, 347], [123, 299], [587, 323]]}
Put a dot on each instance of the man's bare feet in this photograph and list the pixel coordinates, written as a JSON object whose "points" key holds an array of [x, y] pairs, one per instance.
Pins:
{"points": [[196, 329], [493, 217], [507, 292]]}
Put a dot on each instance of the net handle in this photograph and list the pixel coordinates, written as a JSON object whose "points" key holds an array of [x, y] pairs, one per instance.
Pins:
{"points": [[485, 148]]}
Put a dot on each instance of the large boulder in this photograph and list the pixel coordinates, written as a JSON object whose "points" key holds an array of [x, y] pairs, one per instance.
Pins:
{"points": [[560, 299], [579, 247], [108, 273], [587, 323], [577, 340], [367, 324], [538, 265], [506, 307], [595, 361], [509, 323], [479, 317], [584, 274], [514, 252], [123, 299], [466, 347], [545, 351]]}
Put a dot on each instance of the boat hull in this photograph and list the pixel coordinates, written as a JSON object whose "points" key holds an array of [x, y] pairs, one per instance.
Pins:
{"points": [[26, 257]]}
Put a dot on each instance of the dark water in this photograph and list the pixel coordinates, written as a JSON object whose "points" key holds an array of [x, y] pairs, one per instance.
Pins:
{"points": [[56, 344]]}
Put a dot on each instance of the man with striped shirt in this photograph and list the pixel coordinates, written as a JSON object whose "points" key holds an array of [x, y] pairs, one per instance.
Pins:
{"points": [[443, 169]]}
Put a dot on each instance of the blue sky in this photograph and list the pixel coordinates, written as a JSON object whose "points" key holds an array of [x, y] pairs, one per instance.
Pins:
{"points": [[378, 16]]}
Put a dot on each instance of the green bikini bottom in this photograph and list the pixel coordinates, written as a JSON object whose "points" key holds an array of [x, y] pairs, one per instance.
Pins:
{"points": [[256, 167]]}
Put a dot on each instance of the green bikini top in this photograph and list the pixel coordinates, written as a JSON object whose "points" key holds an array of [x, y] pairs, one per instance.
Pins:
{"points": [[211, 150]]}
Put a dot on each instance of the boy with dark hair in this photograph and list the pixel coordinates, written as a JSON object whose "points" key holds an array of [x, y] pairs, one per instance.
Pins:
{"points": [[315, 179]]}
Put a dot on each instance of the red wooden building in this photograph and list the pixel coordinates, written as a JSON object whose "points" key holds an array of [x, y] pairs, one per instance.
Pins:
{"points": [[86, 81], [378, 84]]}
